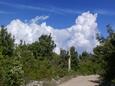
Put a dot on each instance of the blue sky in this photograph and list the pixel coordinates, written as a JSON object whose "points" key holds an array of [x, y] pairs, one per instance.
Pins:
{"points": [[62, 13], [71, 22]]}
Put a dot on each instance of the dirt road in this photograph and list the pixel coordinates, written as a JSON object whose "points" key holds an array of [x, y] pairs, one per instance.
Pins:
{"points": [[91, 80]]}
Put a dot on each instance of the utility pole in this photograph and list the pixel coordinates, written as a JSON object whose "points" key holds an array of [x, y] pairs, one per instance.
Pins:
{"points": [[69, 61]]}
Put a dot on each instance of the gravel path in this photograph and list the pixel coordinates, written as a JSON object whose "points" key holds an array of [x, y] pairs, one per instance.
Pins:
{"points": [[91, 80]]}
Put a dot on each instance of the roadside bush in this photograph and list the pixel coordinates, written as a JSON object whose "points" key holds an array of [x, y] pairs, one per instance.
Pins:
{"points": [[13, 73]]}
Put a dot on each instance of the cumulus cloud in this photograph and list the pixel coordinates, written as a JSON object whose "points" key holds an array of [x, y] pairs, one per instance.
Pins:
{"points": [[82, 34]]}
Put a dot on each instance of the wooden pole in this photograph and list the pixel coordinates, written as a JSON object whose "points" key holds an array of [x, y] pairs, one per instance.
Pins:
{"points": [[69, 61]]}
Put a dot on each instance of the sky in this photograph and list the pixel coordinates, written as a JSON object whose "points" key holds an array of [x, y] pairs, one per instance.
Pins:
{"points": [[69, 21]]}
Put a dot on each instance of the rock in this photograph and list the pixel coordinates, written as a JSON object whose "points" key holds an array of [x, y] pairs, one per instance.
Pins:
{"points": [[35, 83]]}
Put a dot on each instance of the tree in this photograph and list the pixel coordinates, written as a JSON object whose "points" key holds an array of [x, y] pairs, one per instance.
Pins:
{"points": [[105, 54], [64, 58], [109, 30], [44, 47], [85, 55], [11, 72], [1, 68], [87, 64], [6, 43], [74, 58]]}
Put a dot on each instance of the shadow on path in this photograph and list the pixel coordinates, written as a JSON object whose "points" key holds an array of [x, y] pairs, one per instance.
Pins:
{"points": [[95, 81]]}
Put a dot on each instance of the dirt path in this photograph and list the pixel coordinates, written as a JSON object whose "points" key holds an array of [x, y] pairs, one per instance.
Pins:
{"points": [[91, 80]]}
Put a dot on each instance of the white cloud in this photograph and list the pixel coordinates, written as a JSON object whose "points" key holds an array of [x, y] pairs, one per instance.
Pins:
{"points": [[38, 19], [82, 34]]}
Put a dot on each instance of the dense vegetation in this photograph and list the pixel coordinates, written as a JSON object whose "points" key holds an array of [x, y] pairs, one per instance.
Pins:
{"points": [[37, 61], [105, 56]]}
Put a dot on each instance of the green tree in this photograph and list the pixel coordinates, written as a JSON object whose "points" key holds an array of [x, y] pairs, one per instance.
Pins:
{"points": [[6, 42], [74, 58], [63, 59], [87, 64], [44, 47], [105, 54], [1, 68]]}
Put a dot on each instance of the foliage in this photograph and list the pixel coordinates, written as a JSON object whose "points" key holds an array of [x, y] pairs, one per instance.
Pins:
{"points": [[11, 70], [105, 54], [37, 61], [13, 73], [87, 64], [43, 47], [6, 43], [74, 58], [63, 59]]}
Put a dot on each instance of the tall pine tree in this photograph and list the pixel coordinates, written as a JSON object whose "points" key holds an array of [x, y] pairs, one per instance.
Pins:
{"points": [[6, 42], [105, 54]]}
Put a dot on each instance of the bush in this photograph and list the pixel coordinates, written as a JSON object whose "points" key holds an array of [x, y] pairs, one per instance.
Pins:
{"points": [[13, 73]]}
